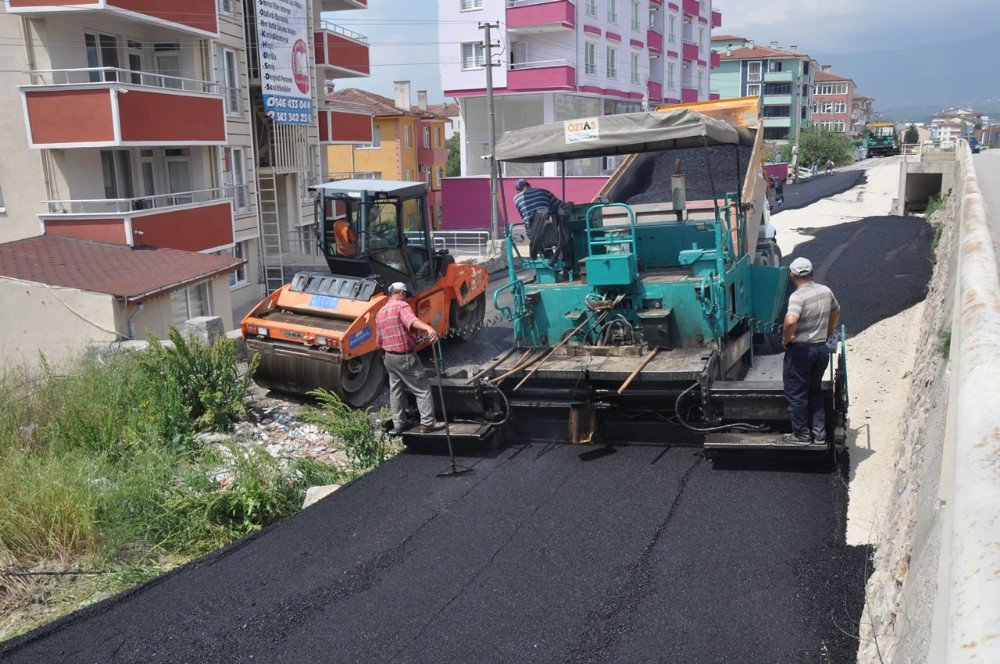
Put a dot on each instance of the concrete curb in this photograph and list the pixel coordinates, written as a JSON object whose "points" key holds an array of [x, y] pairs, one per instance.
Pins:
{"points": [[973, 631]]}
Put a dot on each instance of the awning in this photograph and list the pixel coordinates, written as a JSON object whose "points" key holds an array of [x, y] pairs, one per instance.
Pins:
{"points": [[609, 135]]}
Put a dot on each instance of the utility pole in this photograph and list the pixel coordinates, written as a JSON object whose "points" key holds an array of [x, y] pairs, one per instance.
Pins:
{"points": [[492, 128]]}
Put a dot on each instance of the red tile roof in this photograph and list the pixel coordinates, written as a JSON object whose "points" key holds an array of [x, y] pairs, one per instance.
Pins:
{"points": [[761, 52], [445, 110], [720, 38], [829, 76], [381, 106], [132, 273]]}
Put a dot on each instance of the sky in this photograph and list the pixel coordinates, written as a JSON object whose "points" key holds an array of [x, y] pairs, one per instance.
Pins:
{"points": [[403, 33]]}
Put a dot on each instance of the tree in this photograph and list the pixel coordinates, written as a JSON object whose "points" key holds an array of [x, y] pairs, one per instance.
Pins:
{"points": [[454, 168], [824, 144], [912, 136]]}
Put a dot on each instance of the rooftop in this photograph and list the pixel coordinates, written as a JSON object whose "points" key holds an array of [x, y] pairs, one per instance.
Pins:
{"points": [[722, 38], [759, 52], [444, 110], [382, 106], [822, 76], [134, 274]]}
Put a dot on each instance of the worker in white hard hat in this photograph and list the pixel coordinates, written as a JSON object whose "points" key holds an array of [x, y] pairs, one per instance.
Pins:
{"points": [[395, 325], [812, 319]]}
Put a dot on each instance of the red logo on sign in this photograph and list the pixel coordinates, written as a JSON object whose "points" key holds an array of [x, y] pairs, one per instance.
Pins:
{"points": [[300, 65]]}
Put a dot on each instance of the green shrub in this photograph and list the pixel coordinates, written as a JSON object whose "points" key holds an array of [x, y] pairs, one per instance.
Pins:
{"points": [[201, 383], [365, 446], [824, 144]]}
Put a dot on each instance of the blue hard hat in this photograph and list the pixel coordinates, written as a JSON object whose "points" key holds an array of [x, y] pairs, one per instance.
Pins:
{"points": [[521, 184]]}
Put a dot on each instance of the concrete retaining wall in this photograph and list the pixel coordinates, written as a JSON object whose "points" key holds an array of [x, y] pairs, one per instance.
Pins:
{"points": [[933, 594]]}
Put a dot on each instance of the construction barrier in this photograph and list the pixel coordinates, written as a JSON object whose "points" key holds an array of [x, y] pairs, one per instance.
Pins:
{"points": [[971, 568]]}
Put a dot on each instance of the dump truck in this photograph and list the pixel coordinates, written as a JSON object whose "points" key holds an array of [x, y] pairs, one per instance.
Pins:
{"points": [[641, 328], [319, 330]]}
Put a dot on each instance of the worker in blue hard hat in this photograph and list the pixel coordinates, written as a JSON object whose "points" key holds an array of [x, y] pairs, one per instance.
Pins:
{"points": [[529, 200]]}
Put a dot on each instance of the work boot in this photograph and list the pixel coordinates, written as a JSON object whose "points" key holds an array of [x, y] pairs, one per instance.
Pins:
{"points": [[398, 430], [819, 435], [794, 438], [428, 428]]}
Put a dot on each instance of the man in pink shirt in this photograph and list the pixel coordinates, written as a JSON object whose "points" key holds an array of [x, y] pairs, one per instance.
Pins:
{"points": [[394, 328]]}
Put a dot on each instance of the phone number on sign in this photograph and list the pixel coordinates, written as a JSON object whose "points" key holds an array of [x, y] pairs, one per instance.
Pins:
{"points": [[292, 117]]}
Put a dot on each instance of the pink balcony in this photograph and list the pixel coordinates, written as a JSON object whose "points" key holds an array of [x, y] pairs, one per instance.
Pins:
{"points": [[713, 96], [534, 16], [692, 7], [654, 40], [546, 75], [192, 221], [193, 16], [655, 92], [689, 95], [65, 110], [716, 59], [690, 51], [344, 53], [716, 18], [344, 123]]}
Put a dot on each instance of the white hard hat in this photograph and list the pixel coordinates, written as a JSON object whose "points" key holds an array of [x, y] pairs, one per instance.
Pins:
{"points": [[800, 267], [397, 287]]}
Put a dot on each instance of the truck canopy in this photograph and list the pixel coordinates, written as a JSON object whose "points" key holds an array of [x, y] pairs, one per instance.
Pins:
{"points": [[610, 135]]}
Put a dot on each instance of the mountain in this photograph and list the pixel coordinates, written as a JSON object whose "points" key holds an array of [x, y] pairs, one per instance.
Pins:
{"points": [[914, 82]]}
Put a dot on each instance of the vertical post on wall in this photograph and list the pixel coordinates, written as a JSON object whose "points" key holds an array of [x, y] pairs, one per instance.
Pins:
{"points": [[492, 120]]}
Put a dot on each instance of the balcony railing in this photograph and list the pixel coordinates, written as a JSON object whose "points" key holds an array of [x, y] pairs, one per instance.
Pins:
{"points": [[103, 75], [343, 51], [539, 64], [104, 206], [350, 34]]}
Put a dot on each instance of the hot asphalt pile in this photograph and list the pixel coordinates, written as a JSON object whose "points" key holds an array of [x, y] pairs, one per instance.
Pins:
{"points": [[807, 192], [652, 181], [546, 553], [877, 266]]}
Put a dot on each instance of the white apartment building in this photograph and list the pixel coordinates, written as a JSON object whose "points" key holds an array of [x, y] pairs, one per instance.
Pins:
{"points": [[559, 60]]}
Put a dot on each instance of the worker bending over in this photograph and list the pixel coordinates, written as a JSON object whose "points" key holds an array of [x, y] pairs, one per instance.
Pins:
{"points": [[529, 200], [394, 328], [813, 316]]}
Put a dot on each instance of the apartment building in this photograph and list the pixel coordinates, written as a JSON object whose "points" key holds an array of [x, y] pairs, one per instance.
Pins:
{"points": [[408, 142], [144, 124], [783, 78], [956, 123], [560, 60], [862, 112], [833, 102]]}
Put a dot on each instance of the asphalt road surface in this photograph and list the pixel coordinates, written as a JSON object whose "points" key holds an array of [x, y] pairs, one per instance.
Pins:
{"points": [[548, 553], [807, 192]]}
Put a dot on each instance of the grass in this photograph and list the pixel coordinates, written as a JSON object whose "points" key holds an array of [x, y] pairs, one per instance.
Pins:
{"points": [[944, 343], [101, 468]]}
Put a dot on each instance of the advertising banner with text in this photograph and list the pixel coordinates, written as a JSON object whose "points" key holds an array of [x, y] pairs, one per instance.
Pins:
{"points": [[283, 44]]}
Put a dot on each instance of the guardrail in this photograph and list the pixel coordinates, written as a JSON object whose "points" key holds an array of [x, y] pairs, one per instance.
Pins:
{"points": [[971, 583], [461, 242], [237, 193], [117, 75]]}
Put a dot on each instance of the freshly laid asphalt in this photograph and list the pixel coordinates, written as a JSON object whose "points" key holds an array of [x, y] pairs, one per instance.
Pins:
{"points": [[545, 553], [807, 192]]}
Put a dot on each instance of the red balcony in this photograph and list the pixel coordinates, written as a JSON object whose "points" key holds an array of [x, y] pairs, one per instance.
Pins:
{"points": [[689, 95], [344, 53], [655, 92], [654, 40], [716, 59], [192, 221], [193, 16], [344, 123], [545, 75], [540, 16], [691, 7], [690, 51], [716, 18], [340, 5], [713, 96], [101, 107]]}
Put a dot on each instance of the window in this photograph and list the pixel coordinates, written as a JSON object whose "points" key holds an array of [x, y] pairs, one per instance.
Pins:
{"points": [[189, 303], [777, 88], [590, 8], [671, 70], [672, 30], [468, 5], [612, 71], [167, 58], [408, 136], [777, 111], [701, 38], [376, 139], [427, 137], [776, 133], [635, 66], [135, 61], [235, 175], [102, 51], [229, 80], [473, 55], [774, 65], [613, 11], [753, 90], [636, 13], [409, 175], [590, 58], [226, 7], [116, 167], [753, 71], [440, 176], [239, 276], [701, 80], [518, 53]]}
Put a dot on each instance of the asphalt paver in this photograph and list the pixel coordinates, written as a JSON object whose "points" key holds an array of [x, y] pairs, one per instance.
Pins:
{"points": [[545, 553], [807, 192], [704, 168]]}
